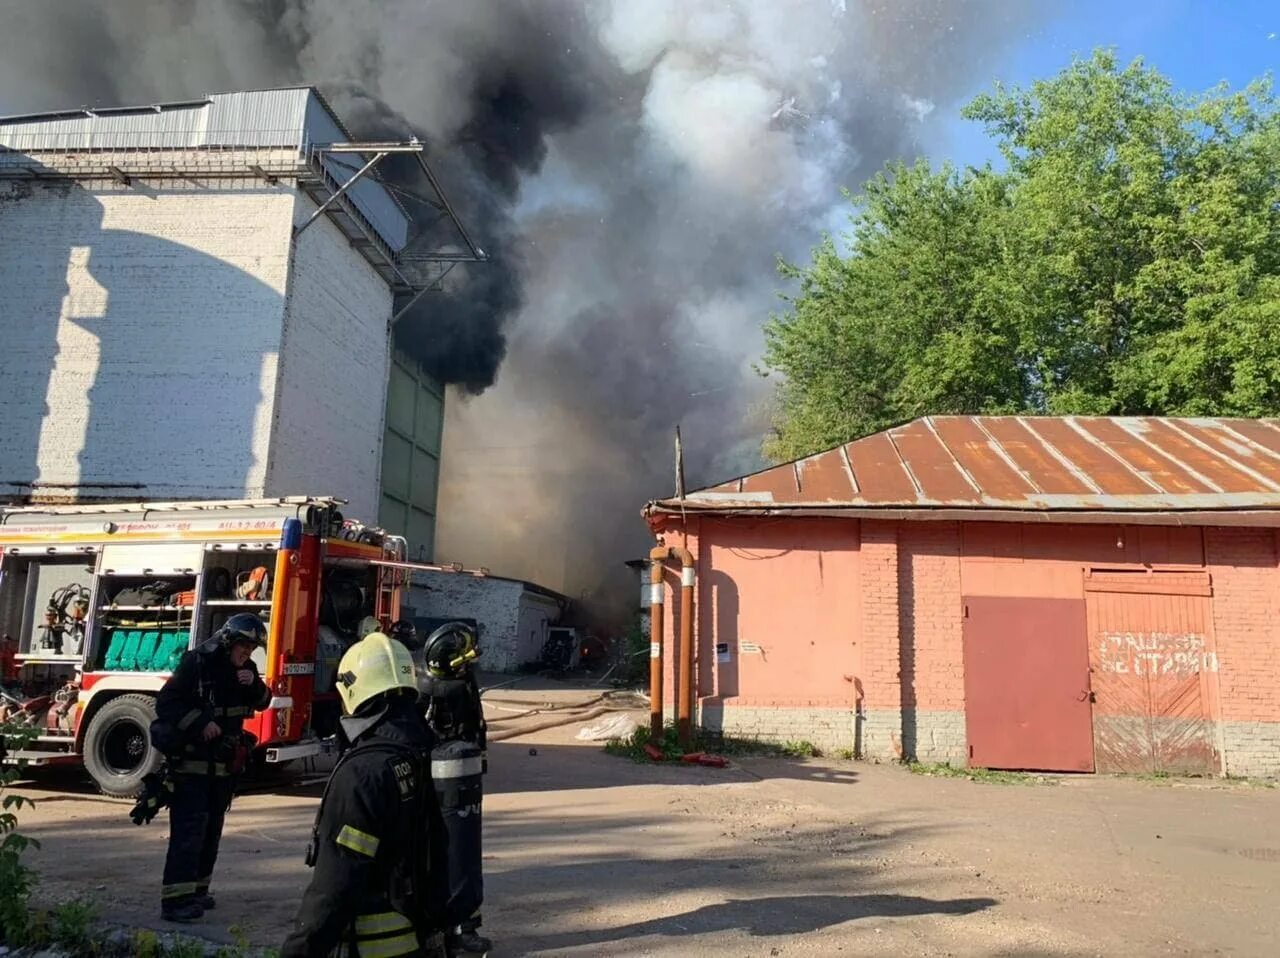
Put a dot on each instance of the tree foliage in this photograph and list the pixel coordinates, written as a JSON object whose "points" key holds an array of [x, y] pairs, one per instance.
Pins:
{"points": [[1124, 260]]}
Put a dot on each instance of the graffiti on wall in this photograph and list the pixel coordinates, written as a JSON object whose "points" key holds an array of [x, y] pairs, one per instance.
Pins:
{"points": [[1173, 654]]}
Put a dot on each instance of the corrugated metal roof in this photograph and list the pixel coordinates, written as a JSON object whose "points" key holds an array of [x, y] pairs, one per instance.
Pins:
{"points": [[1024, 464], [293, 118]]}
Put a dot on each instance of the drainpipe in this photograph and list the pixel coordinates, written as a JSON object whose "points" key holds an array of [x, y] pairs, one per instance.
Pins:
{"points": [[657, 557], [684, 705]]}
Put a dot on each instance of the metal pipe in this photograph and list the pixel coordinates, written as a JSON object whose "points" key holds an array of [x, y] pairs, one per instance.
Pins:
{"points": [[657, 567], [684, 700]]}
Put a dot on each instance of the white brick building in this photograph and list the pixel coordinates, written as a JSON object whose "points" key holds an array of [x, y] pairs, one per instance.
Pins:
{"points": [[513, 617], [176, 323]]}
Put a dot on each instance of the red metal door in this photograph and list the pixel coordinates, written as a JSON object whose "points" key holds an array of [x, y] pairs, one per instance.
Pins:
{"points": [[1152, 655], [1026, 684]]}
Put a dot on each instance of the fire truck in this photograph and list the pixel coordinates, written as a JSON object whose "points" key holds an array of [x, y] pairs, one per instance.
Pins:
{"points": [[98, 603]]}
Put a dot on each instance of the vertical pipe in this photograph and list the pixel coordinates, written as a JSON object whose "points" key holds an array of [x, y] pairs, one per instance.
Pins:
{"points": [[657, 568], [684, 701]]}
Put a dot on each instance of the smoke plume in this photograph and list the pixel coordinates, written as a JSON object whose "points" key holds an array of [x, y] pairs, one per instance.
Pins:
{"points": [[634, 167]]}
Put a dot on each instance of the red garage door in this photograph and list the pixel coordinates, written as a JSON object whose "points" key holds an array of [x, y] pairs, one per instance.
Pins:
{"points": [[1153, 659], [1026, 684]]}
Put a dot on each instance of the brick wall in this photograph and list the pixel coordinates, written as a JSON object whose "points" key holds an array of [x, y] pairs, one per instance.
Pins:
{"points": [[833, 731], [328, 430], [910, 678], [879, 585], [1243, 565], [930, 641], [142, 328]]}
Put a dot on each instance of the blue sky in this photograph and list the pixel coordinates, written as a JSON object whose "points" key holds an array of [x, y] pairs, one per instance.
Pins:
{"points": [[1195, 42]]}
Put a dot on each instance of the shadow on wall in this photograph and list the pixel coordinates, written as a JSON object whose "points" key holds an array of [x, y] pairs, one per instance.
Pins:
{"points": [[133, 365], [718, 656]]}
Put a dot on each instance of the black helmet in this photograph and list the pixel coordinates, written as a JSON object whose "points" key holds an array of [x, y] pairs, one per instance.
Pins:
{"points": [[449, 648], [243, 627], [406, 633]]}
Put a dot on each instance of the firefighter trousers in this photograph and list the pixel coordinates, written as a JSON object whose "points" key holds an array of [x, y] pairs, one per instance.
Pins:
{"points": [[196, 816]]}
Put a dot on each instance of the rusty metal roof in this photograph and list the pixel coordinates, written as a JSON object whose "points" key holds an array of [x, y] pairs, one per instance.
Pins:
{"points": [[1050, 466]]}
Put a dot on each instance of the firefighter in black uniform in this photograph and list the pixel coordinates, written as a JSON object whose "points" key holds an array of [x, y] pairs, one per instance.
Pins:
{"points": [[370, 894], [451, 700], [200, 714]]}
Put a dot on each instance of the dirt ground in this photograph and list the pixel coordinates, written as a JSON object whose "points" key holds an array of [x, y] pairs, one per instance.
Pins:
{"points": [[587, 854]]}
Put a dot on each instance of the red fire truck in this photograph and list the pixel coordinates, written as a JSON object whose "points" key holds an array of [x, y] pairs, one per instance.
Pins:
{"points": [[98, 602]]}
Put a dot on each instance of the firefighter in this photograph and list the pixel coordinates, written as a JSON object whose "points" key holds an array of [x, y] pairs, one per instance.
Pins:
{"points": [[200, 715], [370, 894], [451, 697]]}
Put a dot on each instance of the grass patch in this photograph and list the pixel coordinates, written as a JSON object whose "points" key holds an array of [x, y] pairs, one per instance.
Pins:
{"points": [[146, 944], [1248, 782], [990, 776], [1209, 781], [71, 925], [184, 948], [632, 747]]}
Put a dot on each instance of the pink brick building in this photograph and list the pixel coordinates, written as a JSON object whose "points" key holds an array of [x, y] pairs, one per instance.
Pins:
{"points": [[1006, 592]]}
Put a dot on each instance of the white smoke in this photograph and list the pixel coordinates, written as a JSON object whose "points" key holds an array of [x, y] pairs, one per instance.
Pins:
{"points": [[635, 166]]}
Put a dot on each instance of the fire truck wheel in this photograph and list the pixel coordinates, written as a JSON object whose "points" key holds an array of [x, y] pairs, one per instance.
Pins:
{"points": [[117, 748]]}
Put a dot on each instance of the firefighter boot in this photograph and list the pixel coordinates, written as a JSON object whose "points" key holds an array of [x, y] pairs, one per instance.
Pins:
{"points": [[183, 911], [466, 940]]}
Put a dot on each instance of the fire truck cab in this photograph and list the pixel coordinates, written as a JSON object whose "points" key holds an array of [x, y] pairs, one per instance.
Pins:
{"points": [[98, 603]]}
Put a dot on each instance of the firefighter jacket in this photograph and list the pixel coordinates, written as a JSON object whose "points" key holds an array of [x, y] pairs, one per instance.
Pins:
{"points": [[203, 689], [454, 710], [371, 845]]}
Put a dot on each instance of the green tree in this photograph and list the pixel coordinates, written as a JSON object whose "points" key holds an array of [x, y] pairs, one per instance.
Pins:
{"points": [[1126, 260]]}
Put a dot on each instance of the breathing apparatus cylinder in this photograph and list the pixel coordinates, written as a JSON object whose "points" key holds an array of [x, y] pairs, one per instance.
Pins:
{"points": [[457, 773]]}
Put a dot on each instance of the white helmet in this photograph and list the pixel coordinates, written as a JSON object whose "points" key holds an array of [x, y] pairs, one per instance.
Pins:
{"points": [[372, 666]]}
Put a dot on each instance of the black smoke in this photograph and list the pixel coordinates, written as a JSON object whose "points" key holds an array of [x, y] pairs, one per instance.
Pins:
{"points": [[633, 168]]}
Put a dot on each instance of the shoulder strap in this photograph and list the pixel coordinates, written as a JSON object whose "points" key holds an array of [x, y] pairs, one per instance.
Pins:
{"points": [[377, 745]]}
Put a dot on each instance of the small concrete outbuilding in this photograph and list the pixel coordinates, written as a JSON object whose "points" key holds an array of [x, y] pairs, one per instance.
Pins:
{"points": [[1066, 594], [514, 618]]}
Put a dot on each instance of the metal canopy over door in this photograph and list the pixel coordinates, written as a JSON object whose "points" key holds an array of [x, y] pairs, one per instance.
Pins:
{"points": [[1026, 684], [1153, 659]]}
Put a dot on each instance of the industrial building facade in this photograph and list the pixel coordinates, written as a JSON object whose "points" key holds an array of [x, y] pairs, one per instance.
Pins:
{"points": [[1065, 594], [197, 305]]}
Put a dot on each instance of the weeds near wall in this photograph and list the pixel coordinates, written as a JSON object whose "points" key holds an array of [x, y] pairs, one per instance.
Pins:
{"points": [[989, 776], [16, 877], [633, 747]]}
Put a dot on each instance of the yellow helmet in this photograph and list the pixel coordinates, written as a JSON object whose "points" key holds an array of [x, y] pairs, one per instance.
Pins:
{"points": [[372, 666]]}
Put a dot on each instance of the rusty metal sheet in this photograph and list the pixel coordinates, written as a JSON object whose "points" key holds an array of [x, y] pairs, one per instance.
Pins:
{"points": [[1261, 432], [1159, 469], [1028, 452], [932, 464], [1067, 468], [780, 483], [1152, 659], [978, 454], [826, 478], [1026, 684], [882, 479], [1187, 443], [1106, 473]]}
